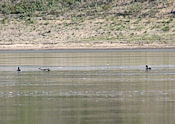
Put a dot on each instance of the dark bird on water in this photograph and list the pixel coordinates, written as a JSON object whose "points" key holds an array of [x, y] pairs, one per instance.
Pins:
{"points": [[44, 69], [148, 67], [18, 69]]}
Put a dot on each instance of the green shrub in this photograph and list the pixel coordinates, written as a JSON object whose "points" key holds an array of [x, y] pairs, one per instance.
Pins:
{"points": [[170, 20], [166, 28], [30, 21], [0, 7], [4, 20], [6, 8], [106, 7]]}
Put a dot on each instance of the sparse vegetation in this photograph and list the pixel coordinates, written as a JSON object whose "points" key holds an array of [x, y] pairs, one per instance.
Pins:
{"points": [[22, 8], [134, 9], [128, 21]]}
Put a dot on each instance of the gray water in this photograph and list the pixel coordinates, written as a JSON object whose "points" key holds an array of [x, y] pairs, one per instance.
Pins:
{"points": [[87, 87]]}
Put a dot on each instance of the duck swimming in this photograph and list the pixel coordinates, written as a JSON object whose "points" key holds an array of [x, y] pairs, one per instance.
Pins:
{"points": [[44, 69], [148, 67], [18, 69]]}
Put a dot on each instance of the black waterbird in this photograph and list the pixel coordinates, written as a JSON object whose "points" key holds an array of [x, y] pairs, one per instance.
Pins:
{"points": [[18, 69], [148, 67]]}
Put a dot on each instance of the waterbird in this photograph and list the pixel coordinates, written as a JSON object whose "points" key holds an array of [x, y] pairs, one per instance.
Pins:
{"points": [[148, 67], [18, 69], [44, 69]]}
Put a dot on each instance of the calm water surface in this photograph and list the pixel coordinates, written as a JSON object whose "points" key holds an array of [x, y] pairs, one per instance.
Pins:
{"points": [[88, 87]]}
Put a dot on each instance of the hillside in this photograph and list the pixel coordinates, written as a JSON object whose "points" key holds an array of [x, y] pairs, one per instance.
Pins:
{"points": [[53, 24]]}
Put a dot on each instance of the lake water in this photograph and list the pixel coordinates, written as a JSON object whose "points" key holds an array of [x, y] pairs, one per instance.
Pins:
{"points": [[87, 87]]}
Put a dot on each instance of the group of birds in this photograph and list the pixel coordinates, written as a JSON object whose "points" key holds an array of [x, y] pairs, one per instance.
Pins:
{"points": [[47, 69]]}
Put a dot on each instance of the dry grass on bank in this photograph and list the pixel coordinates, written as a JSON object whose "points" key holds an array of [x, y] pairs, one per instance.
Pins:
{"points": [[113, 25]]}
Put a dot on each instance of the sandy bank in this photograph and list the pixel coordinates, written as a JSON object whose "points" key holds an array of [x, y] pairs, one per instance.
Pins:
{"points": [[82, 46]]}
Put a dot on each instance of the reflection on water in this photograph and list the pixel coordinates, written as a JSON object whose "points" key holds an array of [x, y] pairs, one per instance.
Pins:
{"points": [[87, 86]]}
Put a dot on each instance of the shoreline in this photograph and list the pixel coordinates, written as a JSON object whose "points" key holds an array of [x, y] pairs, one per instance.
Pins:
{"points": [[82, 46]]}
